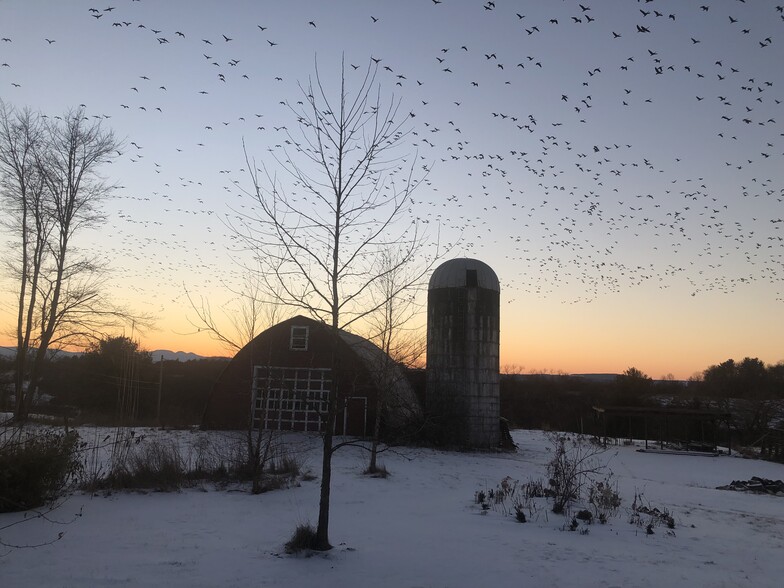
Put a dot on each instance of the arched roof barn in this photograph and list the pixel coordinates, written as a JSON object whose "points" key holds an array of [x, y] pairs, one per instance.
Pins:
{"points": [[283, 377]]}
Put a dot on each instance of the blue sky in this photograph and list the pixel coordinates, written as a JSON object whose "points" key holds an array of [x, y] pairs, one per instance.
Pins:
{"points": [[618, 163]]}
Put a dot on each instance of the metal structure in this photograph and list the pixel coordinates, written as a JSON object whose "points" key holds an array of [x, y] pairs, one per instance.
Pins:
{"points": [[463, 380], [673, 429]]}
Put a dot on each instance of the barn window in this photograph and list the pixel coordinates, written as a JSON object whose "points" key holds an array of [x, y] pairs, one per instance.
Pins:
{"points": [[471, 279], [299, 339], [290, 399]]}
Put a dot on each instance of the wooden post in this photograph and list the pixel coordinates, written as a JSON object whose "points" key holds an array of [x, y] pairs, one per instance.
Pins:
{"points": [[729, 438]]}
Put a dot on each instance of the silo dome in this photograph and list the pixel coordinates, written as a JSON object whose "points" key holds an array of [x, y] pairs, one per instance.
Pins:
{"points": [[456, 273], [463, 379]]}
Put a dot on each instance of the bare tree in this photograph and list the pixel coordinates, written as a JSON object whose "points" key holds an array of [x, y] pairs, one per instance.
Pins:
{"points": [[27, 219], [50, 181], [237, 325], [391, 329], [250, 312], [349, 199]]}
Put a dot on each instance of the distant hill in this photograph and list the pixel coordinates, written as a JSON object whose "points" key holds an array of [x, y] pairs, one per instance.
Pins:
{"points": [[9, 352], [608, 378], [180, 355], [597, 377], [591, 377]]}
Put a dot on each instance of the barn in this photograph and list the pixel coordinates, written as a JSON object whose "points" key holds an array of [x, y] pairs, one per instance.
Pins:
{"points": [[282, 380]]}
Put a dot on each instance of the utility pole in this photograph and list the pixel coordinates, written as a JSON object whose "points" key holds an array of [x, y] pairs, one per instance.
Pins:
{"points": [[160, 388]]}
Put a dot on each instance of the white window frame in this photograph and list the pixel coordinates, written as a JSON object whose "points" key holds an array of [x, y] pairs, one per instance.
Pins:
{"points": [[287, 399], [300, 336]]}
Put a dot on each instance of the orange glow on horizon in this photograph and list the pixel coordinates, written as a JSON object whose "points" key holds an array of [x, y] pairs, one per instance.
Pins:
{"points": [[606, 336]]}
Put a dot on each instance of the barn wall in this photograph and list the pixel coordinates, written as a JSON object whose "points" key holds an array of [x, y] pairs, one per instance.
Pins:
{"points": [[229, 406]]}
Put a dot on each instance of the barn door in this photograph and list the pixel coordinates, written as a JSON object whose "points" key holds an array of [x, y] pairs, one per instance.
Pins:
{"points": [[355, 417]]}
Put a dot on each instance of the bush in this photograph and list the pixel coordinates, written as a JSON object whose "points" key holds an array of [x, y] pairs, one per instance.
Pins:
{"points": [[304, 538], [573, 463], [155, 465], [36, 468], [604, 498], [380, 471], [282, 469], [512, 496], [643, 514], [584, 515], [164, 465]]}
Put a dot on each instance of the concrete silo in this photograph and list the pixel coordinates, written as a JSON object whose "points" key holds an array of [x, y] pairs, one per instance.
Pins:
{"points": [[463, 311]]}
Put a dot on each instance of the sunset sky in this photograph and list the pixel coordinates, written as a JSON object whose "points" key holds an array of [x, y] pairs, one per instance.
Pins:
{"points": [[619, 164]]}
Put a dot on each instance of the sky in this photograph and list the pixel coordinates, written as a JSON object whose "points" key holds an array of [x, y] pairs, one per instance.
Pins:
{"points": [[617, 163]]}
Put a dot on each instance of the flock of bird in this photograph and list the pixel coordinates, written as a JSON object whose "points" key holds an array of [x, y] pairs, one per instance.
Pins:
{"points": [[581, 149]]}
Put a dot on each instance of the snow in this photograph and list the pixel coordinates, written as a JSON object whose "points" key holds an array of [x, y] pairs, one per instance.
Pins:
{"points": [[420, 527]]}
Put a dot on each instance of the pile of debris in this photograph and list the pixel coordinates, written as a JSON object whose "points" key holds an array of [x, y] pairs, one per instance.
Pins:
{"points": [[758, 485]]}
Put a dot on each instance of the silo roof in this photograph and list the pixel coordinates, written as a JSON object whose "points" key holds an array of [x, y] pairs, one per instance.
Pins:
{"points": [[454, 274]]}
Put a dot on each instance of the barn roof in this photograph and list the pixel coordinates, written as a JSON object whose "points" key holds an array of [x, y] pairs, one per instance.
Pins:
{"points": [[401, 401]]}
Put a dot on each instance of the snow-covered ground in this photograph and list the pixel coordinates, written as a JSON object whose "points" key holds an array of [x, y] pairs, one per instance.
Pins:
{"points": [[421, 527]]}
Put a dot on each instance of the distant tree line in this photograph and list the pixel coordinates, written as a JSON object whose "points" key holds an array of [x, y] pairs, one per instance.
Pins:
{"points": [[117, 382], [750, 390]]}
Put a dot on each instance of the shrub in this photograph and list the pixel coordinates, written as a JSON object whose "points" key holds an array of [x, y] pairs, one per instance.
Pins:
{"points": [[36, 468], [156, 465], [643, 514], [380, 471], [584, 515], [164, 465], [573, 462], [304, 538], [284, 462], [512, 496], [604, 498], [283, 469], [534, 489]]}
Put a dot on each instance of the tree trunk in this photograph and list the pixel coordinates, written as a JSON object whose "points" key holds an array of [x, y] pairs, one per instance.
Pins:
{"points": [[373, 466], [322, 531], [21, 346]]}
